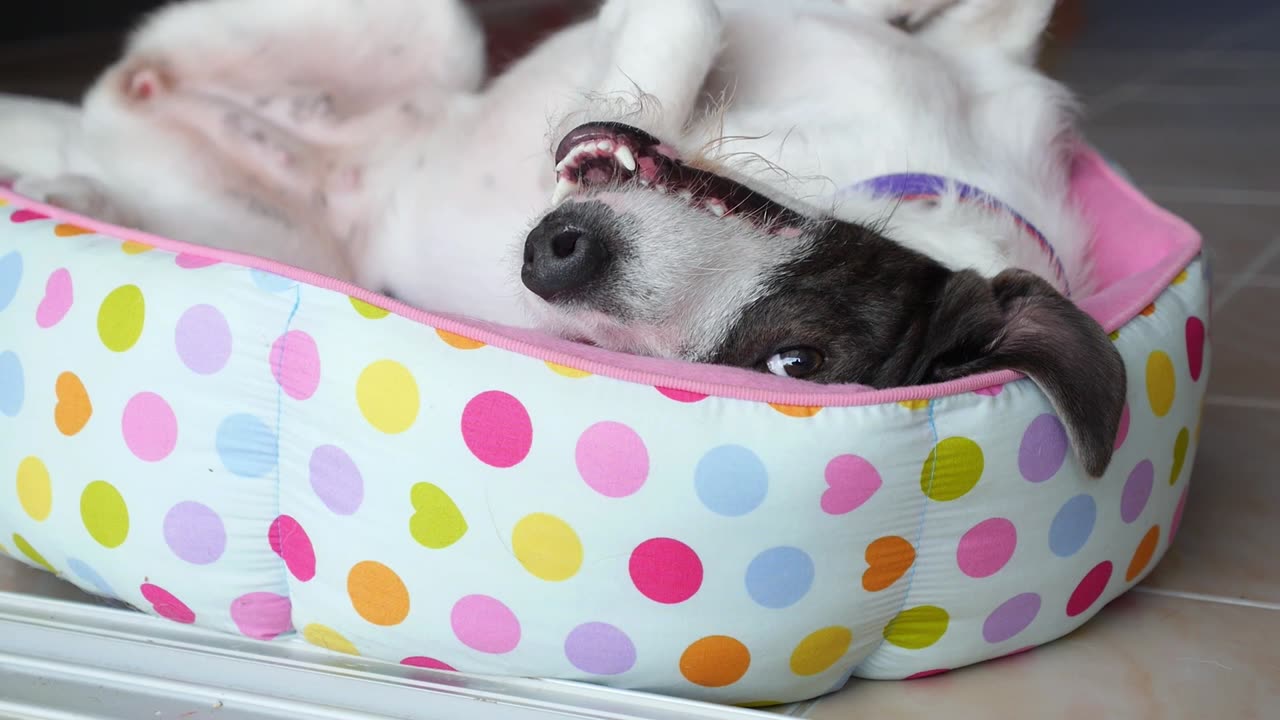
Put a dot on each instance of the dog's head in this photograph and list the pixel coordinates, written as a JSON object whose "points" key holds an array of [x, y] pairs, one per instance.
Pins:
{"points": [[651, 255]]}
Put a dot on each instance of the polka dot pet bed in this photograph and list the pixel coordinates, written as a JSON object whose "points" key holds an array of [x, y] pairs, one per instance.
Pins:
{"points": [[251, 448]]}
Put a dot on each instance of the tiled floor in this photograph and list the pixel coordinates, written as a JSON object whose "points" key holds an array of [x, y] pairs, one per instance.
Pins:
{"points": [[1185, 95]]}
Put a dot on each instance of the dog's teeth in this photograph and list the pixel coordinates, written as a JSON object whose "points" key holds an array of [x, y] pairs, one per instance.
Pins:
{"points": [[717, 208], [625, 158], [564, 188], [604, 146]]}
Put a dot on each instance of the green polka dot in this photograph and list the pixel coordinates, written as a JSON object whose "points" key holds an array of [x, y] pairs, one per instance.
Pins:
{"points": [[104, 513], [953, 467], [25, 548]]}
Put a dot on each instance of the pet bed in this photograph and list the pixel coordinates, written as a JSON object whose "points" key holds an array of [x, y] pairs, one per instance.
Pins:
{"points": [[222, 441]]}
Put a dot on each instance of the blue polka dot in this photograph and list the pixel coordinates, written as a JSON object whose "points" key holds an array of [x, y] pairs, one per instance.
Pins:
{"points": [[731, 480], [10, 276], [270, 282], [12, 390], [1072, 525], [89, 575], [247, 446], [779, 577]]}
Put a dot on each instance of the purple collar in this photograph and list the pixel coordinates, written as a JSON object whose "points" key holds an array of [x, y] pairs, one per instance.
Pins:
{"points": [[920, 186]]}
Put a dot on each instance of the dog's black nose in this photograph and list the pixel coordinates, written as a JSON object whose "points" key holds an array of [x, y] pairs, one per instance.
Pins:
{"points": [[564, 253]]}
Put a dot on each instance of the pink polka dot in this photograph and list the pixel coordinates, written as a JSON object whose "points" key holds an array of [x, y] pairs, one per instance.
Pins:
{"points": [[497, 429], [25, 215], [429, 663], [58, 298], [684, 396], [927, 673], [483, 623], [150, 427], [992, 391], [288, 540], [166, 605], [612, 459], [1195, 346], [1123, 431], [1089, 589], [262, 615], [986, 547], [187, 261], [295, 364], [666, 570], [852, 481]]}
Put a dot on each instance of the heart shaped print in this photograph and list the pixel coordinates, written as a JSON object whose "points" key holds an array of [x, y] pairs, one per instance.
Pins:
{"points": [[73, 410], [888, 559], [25, 215], [57, 299], [851, 482], [437, 522]]}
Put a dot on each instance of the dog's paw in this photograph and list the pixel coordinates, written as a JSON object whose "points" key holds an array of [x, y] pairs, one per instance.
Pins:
{"points": [[75, 193], [142, 81]]}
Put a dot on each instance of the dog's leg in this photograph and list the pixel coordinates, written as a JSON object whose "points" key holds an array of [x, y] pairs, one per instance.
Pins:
{"points": [[77, 193], [1011, 26], [655, 55]]}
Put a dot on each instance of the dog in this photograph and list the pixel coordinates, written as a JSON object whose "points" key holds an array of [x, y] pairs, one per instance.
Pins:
{"points": [[841, 191]]}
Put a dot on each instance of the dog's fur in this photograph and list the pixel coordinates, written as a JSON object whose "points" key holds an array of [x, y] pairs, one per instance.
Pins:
{"points": [[357, 138]]}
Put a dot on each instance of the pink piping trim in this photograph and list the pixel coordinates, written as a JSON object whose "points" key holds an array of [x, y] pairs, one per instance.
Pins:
{"points": [[736, 384]]}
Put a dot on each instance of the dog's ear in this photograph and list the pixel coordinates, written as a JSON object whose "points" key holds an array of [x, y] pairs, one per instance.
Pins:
{"points": [[1018, 321]]}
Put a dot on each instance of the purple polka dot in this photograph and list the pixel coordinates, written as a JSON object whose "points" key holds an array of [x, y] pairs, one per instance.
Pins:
{"points": [[195, 533], [1137, 490], [600, 649], [203, 339], [262, 615], [1043, 449], [336, 480], [1012, 617]]}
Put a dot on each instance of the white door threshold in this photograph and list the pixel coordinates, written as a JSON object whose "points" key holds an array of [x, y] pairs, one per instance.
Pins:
{"points": [[63, 661]]}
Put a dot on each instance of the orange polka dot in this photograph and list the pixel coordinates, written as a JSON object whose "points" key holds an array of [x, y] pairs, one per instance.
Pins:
{"points": [[1149, 310], [888, 559], [567, 371], [377, 593], [65, 230], [796, 411], [73, 409], [457, 341], [715, 661], [1142, 556]]}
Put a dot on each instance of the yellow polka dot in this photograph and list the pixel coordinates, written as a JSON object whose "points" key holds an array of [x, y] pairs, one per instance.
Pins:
{"points": [[372, 312], [388, 396], [796, 411], [328, 638], [437, 522], [135, 248], [914, 404], [459, 342], [25, 548], [715, 661], [1181, 278], [547, 547], [35, 491], [917, 627], [3, 202], [120, 318], [1179, 454], [377, 593], [755, 704], [1115, 335], [820, 650], [567, 371], [1160, 383], [104, 514], [953, 467]]}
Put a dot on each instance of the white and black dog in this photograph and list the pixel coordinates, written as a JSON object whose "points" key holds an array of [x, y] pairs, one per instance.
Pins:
{"points": [[806, 187]]}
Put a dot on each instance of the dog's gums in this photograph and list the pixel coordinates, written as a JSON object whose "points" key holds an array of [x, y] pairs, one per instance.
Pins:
{"points": [[602, 155]]}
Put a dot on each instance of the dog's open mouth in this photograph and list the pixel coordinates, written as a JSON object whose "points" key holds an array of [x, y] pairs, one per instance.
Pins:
{"points": [[599, 156]]}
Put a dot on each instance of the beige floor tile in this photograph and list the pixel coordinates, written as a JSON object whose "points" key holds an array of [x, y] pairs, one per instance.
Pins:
{"points": [[1245, 337], [18, 578], [1229, 538], [1145, 656]]}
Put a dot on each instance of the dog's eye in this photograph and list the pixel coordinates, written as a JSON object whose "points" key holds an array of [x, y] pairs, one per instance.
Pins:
{"points": [[795, 362]]}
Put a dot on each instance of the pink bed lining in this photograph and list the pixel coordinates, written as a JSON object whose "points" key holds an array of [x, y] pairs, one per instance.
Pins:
{"points": [[1141, 248]]}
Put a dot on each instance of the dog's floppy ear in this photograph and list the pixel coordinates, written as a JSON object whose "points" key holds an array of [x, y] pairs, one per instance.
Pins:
{"points": [[1018, 321]]}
